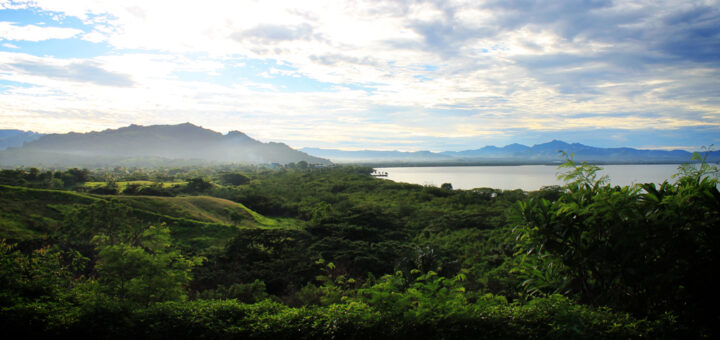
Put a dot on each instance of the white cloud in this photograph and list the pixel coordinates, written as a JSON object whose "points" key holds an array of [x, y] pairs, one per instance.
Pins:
{"points": [[38, 69], [95, 37], [10, 31]]}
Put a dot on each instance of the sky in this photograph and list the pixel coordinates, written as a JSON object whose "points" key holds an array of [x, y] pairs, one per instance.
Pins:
{"points": [[385, 75]]}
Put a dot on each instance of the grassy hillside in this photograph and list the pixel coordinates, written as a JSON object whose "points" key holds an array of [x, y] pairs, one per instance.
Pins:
{"points": [[198, 208], [198, 221], [205, 209], [27, 214]]}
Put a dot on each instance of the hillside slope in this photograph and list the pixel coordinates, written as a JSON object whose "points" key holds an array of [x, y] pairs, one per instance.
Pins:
{"points": [[202, 221]]}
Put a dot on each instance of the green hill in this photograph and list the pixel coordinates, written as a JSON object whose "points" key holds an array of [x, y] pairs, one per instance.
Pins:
{"points": [[199, 208], [207, 209], [27, 214], [200, 221]]}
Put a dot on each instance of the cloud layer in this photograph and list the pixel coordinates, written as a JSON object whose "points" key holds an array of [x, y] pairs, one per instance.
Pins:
{"points": [[370, 74]]}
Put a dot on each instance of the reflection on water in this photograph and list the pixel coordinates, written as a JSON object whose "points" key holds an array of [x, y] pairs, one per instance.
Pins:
{"points": [[526, 177]]}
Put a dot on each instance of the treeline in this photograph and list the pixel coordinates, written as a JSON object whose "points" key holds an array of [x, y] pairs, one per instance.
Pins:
{"points": [[50, 179], [351, 256]]}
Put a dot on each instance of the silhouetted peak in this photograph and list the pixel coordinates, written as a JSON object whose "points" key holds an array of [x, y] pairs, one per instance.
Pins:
{"points": [[516, 147], [236, 133], [553, 143], [187, 126], [183, 126], [237, 136]]}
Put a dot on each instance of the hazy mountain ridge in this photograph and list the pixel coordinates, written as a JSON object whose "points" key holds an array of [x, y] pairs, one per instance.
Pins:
{"points": [[375, 155], [12, 138], [135, 145], [514, 153], [188, 144]]}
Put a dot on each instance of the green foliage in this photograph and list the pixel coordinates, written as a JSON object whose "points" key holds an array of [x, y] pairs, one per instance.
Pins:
{"points": [[144, 272], [261, 254], [234, 178], [44, 274], [38, 290], [641, 248], [698, 170], [154, 189], [197, 185], [488, 317], [111, 218], [243, 292], [110, 188], [48, 179]]}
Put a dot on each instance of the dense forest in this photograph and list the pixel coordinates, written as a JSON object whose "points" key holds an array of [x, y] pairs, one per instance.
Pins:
{"points": [[303, 251]]}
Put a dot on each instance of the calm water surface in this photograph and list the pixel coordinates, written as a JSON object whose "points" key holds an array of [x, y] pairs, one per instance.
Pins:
{"points": [[526, 177]]}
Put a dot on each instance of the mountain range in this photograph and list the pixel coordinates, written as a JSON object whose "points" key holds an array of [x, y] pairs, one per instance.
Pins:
{"points": [[155, 145], [546, 153], [11, 138], [188, 144]]}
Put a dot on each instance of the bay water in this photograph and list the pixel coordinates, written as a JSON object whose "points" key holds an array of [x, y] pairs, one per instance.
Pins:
{"points": [[525, 177]]}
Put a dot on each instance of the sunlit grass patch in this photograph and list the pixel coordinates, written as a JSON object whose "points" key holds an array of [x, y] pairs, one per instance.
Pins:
{"points": [[122, 185]]}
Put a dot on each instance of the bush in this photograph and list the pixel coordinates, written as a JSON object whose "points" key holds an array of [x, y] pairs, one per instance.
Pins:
{"points": [[643, 249]]}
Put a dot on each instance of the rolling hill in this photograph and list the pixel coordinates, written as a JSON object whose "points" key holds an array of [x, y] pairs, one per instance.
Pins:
{"points": [[201, 221]]}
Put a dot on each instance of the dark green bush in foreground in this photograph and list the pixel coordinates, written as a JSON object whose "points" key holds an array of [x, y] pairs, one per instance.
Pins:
{"points": [[41, 297], [554, 317], [644, 249]]}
